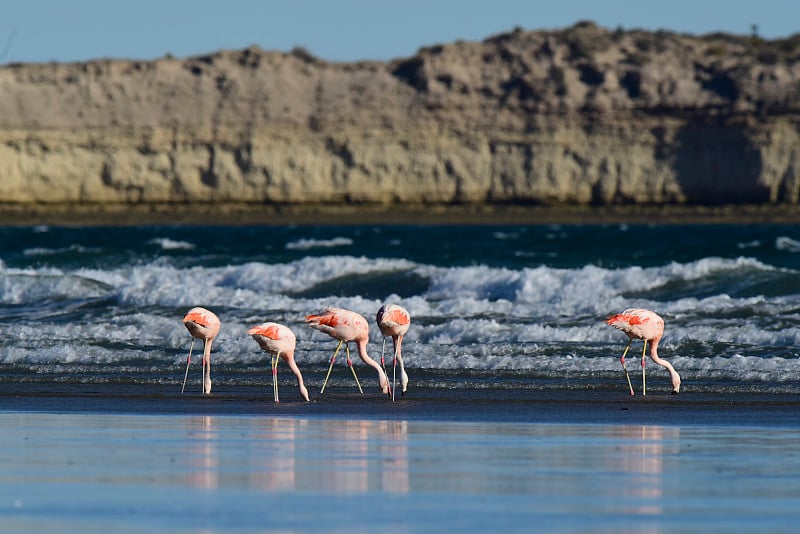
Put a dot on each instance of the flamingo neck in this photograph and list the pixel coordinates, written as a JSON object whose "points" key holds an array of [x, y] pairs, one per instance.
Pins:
{"points": [[362, 352], [654, 348], [674, 376], [398, 343]]}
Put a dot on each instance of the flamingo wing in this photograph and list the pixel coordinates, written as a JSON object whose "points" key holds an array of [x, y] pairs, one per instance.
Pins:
{"points": [[274, 338], [340, 324], [325, 322], [202, 317], [393, 320], [202, 323], [271, 331], [638, 323]]}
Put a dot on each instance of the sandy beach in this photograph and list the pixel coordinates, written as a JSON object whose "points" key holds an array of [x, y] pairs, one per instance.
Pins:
{"points": [[573, 406]]}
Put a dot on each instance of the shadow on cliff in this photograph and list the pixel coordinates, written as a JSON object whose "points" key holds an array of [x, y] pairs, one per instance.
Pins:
{"points": [[718, 164]]}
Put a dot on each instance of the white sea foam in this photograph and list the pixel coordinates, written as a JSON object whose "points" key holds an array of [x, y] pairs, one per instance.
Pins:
{"points": [[506, 235], [306, 244], [44, 251], [787, 244], [249, 285], [170, 244], [739, 367], [467, 317], [304, 274], [547, 290], [749, 244], [453, 344], [22, 286]]}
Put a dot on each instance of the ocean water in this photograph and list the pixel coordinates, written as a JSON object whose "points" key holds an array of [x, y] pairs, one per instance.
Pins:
{"points": [[496, 307]]}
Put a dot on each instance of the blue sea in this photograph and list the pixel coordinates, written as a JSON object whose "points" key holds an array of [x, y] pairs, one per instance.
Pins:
{"points": [[492, 307], [517, 416]]}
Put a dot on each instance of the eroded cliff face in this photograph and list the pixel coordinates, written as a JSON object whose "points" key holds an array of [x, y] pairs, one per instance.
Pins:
{"points": [[577, 116]]}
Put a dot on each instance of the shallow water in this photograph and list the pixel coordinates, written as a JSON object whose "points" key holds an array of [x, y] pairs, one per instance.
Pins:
{"points": [[196, 473]]}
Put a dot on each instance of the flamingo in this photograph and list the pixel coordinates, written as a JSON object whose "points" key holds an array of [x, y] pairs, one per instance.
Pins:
{"points": [[394, 320], [202, 324], [643, 324], [279, 341], [346, 326]]}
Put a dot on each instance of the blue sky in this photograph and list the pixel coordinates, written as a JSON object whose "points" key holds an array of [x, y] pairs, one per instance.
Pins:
{"points": [[343, 30]]}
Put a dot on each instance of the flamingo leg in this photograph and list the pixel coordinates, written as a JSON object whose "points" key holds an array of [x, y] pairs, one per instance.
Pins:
{"points": [[207, 366], [206, 376], [403, 375], [275, 376], [394, 370], [622, 360], [188, 361], [333, 359], [394, 376], [383, 349], [644, 382], [350, 365], [203, 382]]}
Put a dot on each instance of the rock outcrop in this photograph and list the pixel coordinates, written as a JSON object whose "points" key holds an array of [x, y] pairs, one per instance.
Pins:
{"points": [[579, 116]]}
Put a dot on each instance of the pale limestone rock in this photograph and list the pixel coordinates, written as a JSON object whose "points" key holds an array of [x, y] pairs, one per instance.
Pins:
{"points": [[579, 116]]}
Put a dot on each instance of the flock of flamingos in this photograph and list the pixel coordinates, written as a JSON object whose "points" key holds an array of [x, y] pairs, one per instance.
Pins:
{"points": [[393, 321]]}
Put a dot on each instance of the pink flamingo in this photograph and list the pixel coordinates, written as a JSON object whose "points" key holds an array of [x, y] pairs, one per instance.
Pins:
{"points": [[647, 326], [346, 326], [202, 324], [279, 342], [394, 320]]}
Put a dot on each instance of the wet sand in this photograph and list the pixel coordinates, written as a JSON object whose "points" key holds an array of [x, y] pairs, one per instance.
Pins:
{"points": [[574, 406]]}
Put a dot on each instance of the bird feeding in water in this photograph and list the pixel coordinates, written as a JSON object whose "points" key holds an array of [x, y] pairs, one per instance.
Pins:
{"points": [[202, 324], [393, 321], [643, 324], [279, 341], [346, 326]]}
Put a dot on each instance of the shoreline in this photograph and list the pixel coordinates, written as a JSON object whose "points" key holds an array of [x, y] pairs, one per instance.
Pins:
{"points": [[240, 214], [424, 404]]}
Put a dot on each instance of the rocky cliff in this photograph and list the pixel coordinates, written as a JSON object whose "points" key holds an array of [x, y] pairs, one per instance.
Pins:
{"points": [[579, 116]]}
